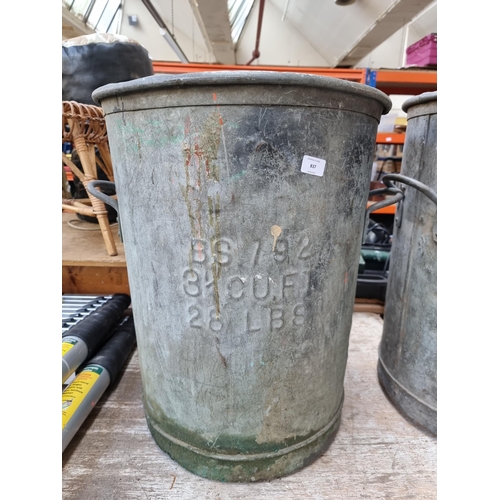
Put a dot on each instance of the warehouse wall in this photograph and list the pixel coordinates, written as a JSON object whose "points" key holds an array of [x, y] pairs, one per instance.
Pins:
{"points": [[280, 43]]}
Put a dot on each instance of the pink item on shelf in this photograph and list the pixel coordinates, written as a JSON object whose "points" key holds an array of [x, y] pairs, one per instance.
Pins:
{"points": [[423, 52]]}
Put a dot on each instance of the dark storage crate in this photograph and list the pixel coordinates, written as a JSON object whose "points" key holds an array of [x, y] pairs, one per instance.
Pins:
{"points": [[371, 285]]}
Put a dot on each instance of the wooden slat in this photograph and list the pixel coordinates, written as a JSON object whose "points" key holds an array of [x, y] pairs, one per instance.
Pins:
{"points": [[369, 308], [94, 280], [86, 266]]}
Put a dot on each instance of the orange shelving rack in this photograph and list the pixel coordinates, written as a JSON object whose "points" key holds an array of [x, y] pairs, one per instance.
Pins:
{"points": [[391, 81]]}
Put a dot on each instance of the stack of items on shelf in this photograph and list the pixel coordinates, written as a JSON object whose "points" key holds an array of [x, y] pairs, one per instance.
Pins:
{"points": [[387, 160]]}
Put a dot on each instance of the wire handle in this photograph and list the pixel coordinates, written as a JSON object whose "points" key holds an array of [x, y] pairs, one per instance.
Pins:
{"points": [[92, 189], [420, 186], [398, 193]]}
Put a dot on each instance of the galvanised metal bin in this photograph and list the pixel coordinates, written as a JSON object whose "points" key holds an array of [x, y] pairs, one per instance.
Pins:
{"points": [[241, 203], [407, 366]]}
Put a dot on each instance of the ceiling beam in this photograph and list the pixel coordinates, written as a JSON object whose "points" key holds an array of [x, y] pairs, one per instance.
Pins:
{"points": [[213, 19], [397, 15], [72, 26]]}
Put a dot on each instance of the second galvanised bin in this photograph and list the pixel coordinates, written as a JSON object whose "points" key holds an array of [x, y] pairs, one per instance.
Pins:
{"points": [[241, 203], [407, 366]]}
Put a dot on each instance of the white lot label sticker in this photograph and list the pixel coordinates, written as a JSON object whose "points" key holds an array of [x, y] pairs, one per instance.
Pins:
{"points": [[314, 166]]}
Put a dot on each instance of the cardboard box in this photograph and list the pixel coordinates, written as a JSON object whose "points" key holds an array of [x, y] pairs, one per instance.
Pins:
{"points": [[385, 150], [398, 150]]}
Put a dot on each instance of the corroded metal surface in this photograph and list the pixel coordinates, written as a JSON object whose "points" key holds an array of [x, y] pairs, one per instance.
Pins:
{"points": [[408, 350], [242, 267]]}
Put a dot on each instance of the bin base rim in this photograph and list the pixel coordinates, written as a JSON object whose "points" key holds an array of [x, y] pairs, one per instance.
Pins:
{"points": [[247, 467], [418, 411]]}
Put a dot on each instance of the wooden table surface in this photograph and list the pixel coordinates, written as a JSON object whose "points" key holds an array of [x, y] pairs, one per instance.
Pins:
{"points": [[377, 453], [86, 266]]}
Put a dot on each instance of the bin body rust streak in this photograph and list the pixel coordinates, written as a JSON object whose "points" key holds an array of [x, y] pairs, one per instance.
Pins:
{"points": [[242, 267]]}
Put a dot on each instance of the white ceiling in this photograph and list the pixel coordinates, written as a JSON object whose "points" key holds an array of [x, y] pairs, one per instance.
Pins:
{"points": [[342, 36]]}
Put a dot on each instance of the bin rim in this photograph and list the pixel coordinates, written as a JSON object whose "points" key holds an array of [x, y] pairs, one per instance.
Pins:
{"points": [[240, 77], [423, 98]]}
